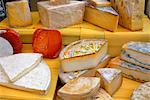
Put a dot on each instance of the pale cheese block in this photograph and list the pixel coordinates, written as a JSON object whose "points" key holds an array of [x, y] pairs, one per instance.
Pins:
{"points": [[18, 13], [83, 54], [105, 17], [58, 2], [5, 48], [142, 92], [36, 81], [16, 66], [131, 13], [111, 79], [130, 70], [137, 53], [62, 15], [79, 88], [65, 77]]}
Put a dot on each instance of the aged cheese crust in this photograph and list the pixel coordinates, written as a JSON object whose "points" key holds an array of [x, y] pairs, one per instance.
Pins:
{"points": [[142, 92]]}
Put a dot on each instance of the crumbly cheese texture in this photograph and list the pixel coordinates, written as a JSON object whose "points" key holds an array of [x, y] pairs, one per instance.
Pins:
{"points": [[84, 47], [5, 48], [142, 92]]}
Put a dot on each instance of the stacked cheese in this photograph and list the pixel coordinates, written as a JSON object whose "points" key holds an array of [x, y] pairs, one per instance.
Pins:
{"points": [[60, 13], [135, 61], [25, 71]]}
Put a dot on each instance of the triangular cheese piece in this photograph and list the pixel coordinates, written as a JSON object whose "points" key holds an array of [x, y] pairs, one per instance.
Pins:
{"points": [[111, 79], [37, 80], [16, 66]]}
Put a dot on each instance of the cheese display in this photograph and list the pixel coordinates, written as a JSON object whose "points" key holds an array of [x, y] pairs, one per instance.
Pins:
{"points": [[142, 92], [131, 13], [18, 13], [62, 15], [5, 48], [79, 88], [58, 2], [137, 53], [36, 81], [83, 54], [105, 17], [65, 77], [111, 79], [130, 70], [18, 65]]}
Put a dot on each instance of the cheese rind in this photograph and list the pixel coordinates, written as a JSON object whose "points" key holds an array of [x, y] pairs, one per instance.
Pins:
{"points": [[105, 17], [62, 15], [58, 2], [18, 13]]}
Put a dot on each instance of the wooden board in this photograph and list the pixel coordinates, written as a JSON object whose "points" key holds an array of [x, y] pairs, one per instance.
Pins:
{"points": [[7, 93]]}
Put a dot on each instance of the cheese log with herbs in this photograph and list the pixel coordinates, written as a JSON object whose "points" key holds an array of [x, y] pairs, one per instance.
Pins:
{"points": [[61, 16], [131, 13], [36, 81], [79, 88], [142, 92], [83, 54], [105, 17], [58, 2], [16, 66], [5, 48], [18, 13], [111, 79], [137, 53], [65, 77], [130, 70]]}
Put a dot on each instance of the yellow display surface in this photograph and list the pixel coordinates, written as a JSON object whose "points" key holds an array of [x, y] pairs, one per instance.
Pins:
{"points": [[7, 93]]}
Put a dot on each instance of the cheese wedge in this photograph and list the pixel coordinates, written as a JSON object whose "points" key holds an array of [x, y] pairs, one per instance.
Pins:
{"points": [[83, 54], [79, 88], [65, 77], [137, 53], [142, 92], [61, 16], [131, 71], [58, 2], [18, 13], [36, 81], [111, 79], [16, 66], [5, 48]]}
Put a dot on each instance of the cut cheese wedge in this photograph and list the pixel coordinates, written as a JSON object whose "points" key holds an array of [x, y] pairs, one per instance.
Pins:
{"points": [[79, 88], [36, 81], [65, 77], [111, 79], [5, 48], [16, 66], [137, 53], [83, 54], [131, 71]]}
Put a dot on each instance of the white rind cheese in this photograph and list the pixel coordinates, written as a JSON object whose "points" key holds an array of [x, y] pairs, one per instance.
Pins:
{"points": [[16, 66], [37, 80]]}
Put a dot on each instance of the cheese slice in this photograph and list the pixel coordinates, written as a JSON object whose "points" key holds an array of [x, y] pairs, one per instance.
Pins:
{"points": [[131, 13], [36, 81], [83, 54], [130, 70], [65, 77], [5, 48], [142, 92], [16, 66], [105, 17], [111, 79], [58, 2], [137, 53], [79, 88], [18, 13], [61, 16]]}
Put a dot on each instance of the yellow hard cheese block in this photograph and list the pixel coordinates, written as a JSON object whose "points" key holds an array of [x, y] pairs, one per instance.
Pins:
{"points": [[18, 13], [12, 94], [105, 17]]}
